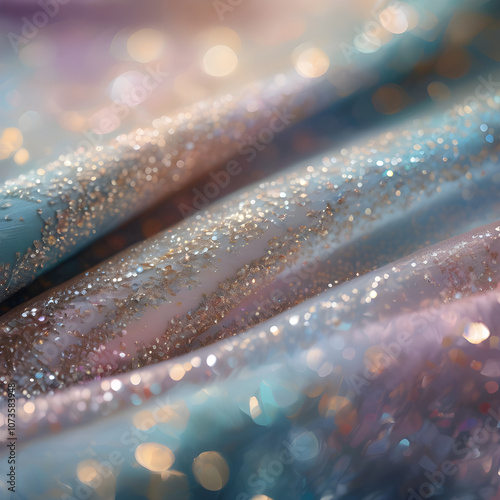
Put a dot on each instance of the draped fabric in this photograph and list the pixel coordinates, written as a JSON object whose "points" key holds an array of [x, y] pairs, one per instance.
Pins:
{"points": [[251, 253]]}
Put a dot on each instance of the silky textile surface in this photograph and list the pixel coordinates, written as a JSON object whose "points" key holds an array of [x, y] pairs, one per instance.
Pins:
{"points": [[294, 208]]}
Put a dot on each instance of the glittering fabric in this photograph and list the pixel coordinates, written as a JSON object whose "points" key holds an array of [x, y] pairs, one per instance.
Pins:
{"points": [[330, 332], [338, 398], [48, 214], [259, 253]]}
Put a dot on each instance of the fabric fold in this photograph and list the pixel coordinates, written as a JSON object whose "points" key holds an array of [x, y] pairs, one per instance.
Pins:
{"points": [[260, 252], [405, 394]]}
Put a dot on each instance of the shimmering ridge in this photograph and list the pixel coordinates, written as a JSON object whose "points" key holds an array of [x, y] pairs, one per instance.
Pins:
{"points": [[351, 399], [380, 388], [220, 267], [237, 263], [455, 269], [52, 212]]}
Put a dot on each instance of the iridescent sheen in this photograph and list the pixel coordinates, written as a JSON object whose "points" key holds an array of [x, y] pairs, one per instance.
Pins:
{"points": [[334, 397], [260, 252], [50, 213], [258, 351]]}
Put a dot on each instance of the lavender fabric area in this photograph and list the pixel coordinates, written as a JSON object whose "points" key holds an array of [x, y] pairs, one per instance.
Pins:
{"points": [[333, 397]]}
